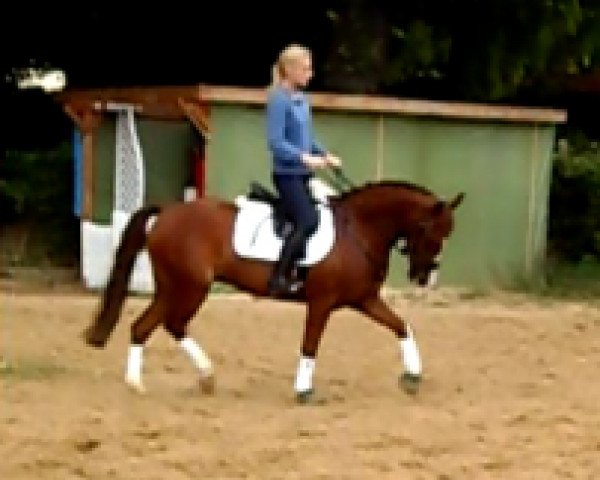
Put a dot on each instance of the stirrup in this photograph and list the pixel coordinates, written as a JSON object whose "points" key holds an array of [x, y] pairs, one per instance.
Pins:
{"points": [[284, 286]]}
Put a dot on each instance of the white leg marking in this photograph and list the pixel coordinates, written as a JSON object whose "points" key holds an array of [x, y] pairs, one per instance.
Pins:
{"points": [[133, 376], [435, 273], [433, 278], [304, 374], [410, 353], [197, 355]]}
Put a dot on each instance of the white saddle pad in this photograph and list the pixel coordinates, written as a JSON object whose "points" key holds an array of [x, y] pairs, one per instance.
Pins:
{"points": [[254, 233]]}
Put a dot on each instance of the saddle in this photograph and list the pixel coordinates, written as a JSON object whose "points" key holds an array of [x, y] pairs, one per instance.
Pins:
{"points": [[282, 223], [261, 226]]}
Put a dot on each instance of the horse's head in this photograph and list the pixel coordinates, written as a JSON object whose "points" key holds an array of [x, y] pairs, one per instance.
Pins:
{"points": [[425, 241]]}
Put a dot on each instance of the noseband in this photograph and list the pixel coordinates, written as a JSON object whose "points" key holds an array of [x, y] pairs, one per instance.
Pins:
{"points": [[340, 181], [405, 252]]}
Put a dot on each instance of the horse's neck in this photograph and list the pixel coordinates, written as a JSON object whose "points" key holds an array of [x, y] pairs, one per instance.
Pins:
{"points": [[387, 215]]}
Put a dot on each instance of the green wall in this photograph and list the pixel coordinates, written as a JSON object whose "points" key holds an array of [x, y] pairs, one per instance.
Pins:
{"points": [[495, 165], [503, 168], [166, 147], [236, 154]]}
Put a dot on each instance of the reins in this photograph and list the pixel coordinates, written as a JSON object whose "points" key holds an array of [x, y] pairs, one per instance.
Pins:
{"points": [[342, 177], [341, 182]]}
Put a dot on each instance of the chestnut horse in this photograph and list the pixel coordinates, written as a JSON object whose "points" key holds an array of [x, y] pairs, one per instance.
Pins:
{"points": [[190, 246]]}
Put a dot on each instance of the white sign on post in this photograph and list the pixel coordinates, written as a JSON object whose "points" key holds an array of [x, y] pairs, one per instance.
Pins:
{"points": [[129, 192]]}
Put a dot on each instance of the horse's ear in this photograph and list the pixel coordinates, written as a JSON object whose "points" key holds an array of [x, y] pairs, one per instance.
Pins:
{"points": [[457, 200]]}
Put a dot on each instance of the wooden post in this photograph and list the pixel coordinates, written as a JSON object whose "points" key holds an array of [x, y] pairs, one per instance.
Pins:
{"points": [[530, 254], [380, 148], [89, 122]]}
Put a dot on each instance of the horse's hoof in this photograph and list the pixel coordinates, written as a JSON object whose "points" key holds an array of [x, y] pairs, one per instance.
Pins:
{"points": [[207, 384], [409, 382], [90, 338], [304, 397]]}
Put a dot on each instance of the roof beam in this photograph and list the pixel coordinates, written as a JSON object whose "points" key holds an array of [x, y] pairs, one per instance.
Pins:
{"points": [[197, 114]]}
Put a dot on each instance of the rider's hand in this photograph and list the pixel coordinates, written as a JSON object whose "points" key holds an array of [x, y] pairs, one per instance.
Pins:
{"points": [[333, 161], [313, 161]]}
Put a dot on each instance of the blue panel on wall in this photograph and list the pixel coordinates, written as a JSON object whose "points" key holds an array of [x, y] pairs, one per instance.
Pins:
{"points": [[77, 170]]}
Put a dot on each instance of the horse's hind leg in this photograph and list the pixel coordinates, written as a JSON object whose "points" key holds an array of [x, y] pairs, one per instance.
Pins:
{"points": [[176, 324], [141, 329], [174, 310]]}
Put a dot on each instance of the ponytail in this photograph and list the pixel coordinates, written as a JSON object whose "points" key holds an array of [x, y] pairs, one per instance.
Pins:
{"points": [[275, 75]]}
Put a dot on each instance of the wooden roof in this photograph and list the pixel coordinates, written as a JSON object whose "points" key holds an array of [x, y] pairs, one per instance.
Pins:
{"points": [[172, 102], [584, 83]]}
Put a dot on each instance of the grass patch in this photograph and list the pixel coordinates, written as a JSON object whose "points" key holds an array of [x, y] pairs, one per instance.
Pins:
{"points": [[31, 370], [566, 281], [473, 294], [218, 287]]}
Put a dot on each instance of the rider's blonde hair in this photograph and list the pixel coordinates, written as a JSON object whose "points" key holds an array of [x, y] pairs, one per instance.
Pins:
{"points": [[289, 54]]}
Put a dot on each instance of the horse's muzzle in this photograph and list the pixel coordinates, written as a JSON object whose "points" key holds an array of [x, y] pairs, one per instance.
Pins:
{"points": [[426, 277], [421, 278]]}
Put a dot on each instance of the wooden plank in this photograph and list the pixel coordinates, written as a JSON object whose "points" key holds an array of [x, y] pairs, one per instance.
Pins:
{"points": [[90, 120], [380, 148], [233, 95], [438, 109], [586, 83], [159, 111], [148, 98], [73, 114], [378, 104], [89, 123], [151, 98], [87, 207], [198, 115], [134, 95], [151, 102]]}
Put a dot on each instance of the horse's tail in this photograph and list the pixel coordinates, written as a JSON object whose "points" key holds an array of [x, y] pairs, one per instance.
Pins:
{"points": [[132, 242]]}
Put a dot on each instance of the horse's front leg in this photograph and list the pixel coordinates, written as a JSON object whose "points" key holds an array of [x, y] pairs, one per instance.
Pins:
{"points": [[381, 313], [316, 319]]}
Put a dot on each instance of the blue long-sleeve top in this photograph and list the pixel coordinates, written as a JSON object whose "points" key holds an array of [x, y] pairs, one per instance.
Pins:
{"points": [[290, 131]]}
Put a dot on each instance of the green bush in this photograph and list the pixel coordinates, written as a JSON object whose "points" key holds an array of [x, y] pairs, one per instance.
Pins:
{"points": [[574, 224], [36, 189], [37, 183]]}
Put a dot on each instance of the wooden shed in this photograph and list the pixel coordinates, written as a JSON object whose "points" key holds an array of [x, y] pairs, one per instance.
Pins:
{"points": [[211, 139]]}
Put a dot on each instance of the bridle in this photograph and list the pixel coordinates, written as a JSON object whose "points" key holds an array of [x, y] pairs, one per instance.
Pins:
{"points": [[340, 182]]}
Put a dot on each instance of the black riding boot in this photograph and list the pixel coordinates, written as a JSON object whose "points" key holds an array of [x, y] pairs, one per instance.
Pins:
{"points": [[280, 281]]}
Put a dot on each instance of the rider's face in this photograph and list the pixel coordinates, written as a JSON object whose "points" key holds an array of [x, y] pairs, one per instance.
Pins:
{"points": [[300, 72]]}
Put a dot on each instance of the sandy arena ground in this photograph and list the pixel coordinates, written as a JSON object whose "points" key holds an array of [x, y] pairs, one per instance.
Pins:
{"points": [[511, 390]]}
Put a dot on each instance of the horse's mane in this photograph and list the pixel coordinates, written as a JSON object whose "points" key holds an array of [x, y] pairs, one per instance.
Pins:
{"points": [[384, 183]]}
